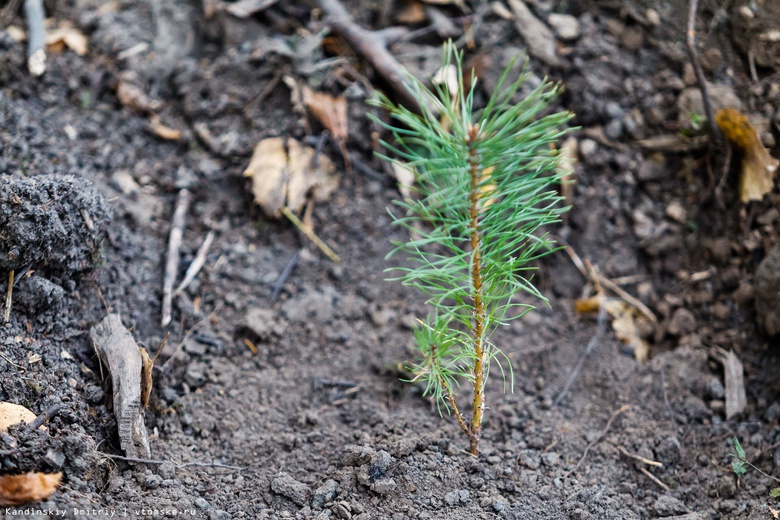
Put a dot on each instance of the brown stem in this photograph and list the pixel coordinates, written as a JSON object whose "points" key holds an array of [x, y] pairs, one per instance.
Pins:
{"points": [[690, 43], [478, 405]]}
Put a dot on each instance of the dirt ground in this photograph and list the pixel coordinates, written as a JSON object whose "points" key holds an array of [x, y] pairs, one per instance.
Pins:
{"points": [[317, 423]]}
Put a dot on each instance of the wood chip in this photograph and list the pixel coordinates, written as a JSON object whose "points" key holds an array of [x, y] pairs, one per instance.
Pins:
{"points": [[734, 376], [119, 351]]}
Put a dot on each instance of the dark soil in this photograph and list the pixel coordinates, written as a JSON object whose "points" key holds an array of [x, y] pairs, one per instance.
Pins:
{"points": [[317, 423]]}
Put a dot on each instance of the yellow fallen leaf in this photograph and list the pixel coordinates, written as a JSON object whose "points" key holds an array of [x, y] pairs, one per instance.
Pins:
{"points": [[756, 178], [11, 414], [286, 175], [268, 171], [68, 36], [329, 110], [16, 490], [623, 316]]}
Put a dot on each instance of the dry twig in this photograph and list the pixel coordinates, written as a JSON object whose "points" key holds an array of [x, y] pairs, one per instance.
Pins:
{"points": [[9, 297], [172, 257], [594, 340], [306, 230], [372, 45], [197, 264], [690, 43]]}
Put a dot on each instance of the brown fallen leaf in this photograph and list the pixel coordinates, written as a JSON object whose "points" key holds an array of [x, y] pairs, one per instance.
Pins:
{"points": [[16, 490], [623, 317], [411, 12], [285, 176], [11, 414], [756, 178], [329, 110], [66, 36]]}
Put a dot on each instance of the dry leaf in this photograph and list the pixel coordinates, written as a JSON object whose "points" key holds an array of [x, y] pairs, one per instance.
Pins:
{"points": [[268, 171], [411, 13], [11, 414], [16, 490], [69, 37], [162, 131], [329, 110], [147, 365], [405, 178], [282, 179], [758, 167], [623, 317], [309, 176], [246, 8], [16, 33]]}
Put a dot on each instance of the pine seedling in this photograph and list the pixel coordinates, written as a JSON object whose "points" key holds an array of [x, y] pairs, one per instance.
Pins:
{"points": [[485, 189]]}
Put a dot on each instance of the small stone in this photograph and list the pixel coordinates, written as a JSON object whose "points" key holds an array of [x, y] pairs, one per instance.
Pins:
{"points": [[498, 505], [55, 457], [653, 17], [325, 493], [352, 306], [550, 459], [530, 458], [285, 485], [384, 486], [341, 510], [588, 147], [683, 322], [726, 486], [381, 316], [310, 306], [152, 481], [676, 212], [459, 496], [566, 26], [667, 505], [720, 311]]}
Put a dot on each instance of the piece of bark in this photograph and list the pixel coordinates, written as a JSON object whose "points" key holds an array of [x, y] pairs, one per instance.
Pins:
{"points": [[118, 350], [538, 37], [734, 381]]}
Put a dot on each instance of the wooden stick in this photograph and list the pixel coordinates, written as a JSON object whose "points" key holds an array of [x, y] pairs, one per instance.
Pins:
{"points": [[306, 230], [288, 269], [372, 45], [654, 479], [197, 264], [36, 35], [9, 297], [172, 258]]}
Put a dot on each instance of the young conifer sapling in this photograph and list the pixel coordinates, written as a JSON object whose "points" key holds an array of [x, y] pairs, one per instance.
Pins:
{"points": [[485, 188]]}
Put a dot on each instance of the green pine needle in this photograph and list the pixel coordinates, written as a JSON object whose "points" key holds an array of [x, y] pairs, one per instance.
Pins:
{"points": [[486, 177]]}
